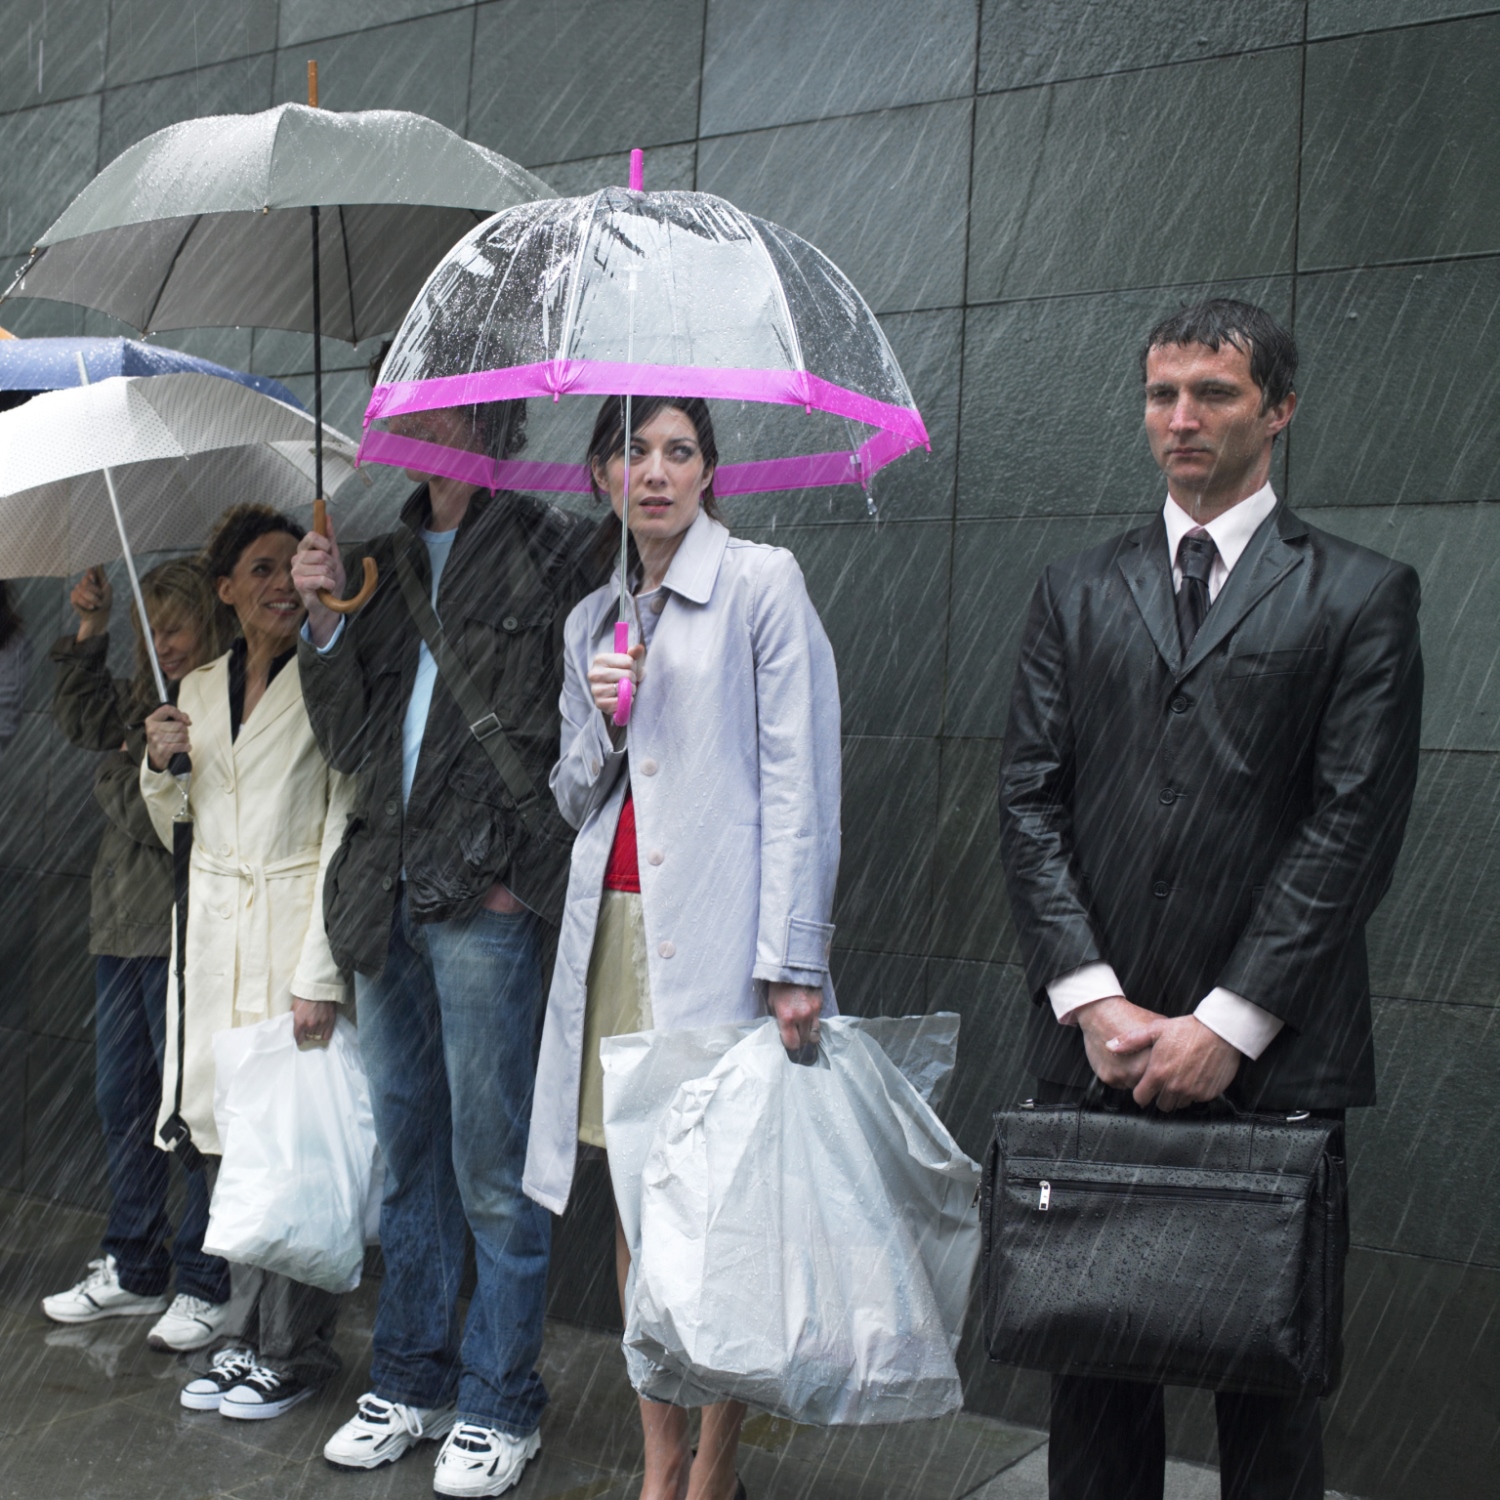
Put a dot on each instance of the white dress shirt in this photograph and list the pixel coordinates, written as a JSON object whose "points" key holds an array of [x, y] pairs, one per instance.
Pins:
{"points": [[1241, 1023]]}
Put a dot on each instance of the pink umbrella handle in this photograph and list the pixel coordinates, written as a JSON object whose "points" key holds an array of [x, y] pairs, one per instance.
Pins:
{"points": [[625, 691]]}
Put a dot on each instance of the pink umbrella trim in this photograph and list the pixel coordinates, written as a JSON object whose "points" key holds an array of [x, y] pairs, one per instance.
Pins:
{"points": [[585, 377], [900, 428], [811, 471]]}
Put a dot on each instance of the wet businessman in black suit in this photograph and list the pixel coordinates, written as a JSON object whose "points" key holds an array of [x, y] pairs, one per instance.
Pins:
{"points": [[1207, 772]]}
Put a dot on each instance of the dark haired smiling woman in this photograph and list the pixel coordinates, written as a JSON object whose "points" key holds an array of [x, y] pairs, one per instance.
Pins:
{"points": [[267, 815], [708, 829]]}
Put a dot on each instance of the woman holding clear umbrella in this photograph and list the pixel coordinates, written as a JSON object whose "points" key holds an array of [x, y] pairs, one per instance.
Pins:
{"points": [[703, 873], [267, 815]]}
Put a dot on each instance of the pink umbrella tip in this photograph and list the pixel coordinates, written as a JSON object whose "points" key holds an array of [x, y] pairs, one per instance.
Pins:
{"points": [[637, 170]]}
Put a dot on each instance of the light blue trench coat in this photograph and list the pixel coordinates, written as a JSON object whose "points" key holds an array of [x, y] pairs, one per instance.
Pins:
{"points": [[733, 755]]}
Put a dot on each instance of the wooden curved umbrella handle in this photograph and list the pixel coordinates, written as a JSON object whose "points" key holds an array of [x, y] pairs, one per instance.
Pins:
{"points": [[372, 573]]}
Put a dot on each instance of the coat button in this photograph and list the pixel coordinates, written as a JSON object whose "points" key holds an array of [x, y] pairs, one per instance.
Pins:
{"points": [[593, 768], [225, 851], [391, 807], [510, 622], [1166, 796], [654, 857], [386, 883], [648, 768], [1181, 704], [1161, 888], [658, 604], [667, 949]]}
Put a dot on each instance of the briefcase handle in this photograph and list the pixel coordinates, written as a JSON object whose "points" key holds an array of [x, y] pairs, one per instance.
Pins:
{"points": [[1096, 1096]]}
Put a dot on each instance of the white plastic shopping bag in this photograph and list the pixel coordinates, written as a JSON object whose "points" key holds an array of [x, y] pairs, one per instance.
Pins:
{"points": [[804, 1237], [294, 1185]]}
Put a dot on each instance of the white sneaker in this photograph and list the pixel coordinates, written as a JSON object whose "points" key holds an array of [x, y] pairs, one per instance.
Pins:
{"points": [[380, 1431], [100, 1295], [481, 1461], [225, 1371], [189, 1323], [261, 1393]]}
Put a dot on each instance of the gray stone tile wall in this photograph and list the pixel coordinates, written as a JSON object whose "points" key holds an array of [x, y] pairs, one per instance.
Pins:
{"points": [[1020, 188]]}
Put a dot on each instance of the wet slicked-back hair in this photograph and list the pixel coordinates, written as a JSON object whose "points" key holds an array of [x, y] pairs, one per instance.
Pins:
{"points": [[1221, 320]]}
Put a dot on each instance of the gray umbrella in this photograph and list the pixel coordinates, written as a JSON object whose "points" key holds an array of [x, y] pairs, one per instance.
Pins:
{"points": [[206, 224]]}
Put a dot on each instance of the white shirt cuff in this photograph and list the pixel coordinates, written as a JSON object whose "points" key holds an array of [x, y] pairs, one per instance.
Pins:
{"points": [[1241, 1023], [1082, 986], [333, 640]]}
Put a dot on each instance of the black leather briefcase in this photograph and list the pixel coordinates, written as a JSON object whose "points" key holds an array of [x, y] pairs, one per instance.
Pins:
{"points": [[1201, 1250]]}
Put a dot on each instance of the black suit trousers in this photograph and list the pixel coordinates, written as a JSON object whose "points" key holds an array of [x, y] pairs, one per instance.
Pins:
{"points": [[1109, 1437]]}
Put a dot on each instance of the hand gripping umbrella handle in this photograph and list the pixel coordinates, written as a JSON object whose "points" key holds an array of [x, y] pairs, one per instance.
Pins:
{"points": [[372, 573], [622, 646]]}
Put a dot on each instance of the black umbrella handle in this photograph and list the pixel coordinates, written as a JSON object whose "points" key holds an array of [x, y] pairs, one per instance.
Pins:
{"points": [[180, 765]]}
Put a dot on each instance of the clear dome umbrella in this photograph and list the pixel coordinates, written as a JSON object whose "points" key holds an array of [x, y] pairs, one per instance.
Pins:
{"points": [[629, 293]]}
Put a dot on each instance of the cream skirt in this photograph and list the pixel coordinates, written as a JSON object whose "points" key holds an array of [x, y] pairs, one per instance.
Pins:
{"points": [[619, 999]]}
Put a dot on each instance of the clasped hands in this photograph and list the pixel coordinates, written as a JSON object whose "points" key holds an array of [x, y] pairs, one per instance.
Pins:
{"points": [[1172, 1061]]}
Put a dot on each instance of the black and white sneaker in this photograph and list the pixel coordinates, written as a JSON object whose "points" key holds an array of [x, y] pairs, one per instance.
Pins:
{"points": [[228, 1368], [262, 1393], [380, 1431]]}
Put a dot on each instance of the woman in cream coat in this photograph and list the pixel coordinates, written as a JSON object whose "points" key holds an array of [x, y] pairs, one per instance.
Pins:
{"points": [[731, 766], [268, 813]]}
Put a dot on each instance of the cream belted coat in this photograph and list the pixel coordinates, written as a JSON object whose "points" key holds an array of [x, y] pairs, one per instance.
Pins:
{"points": [[733, 756], [268, 815]]}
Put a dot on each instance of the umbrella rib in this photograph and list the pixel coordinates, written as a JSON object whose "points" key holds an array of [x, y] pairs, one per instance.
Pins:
{"points": [[798, 358], [348, 275], [167, 275], [571, 310]]}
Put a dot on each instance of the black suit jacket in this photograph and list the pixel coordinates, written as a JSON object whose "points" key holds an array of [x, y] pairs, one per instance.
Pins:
{"points": [[1230, 817]]}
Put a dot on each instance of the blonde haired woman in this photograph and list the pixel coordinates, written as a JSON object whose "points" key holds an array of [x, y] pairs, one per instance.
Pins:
{"points": [[130, 916]]}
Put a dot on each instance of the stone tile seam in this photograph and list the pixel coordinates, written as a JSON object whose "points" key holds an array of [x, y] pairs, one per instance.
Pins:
{"points": [[117, 88], [1156, 67], [1425, 23], [1457, 257], [334, 36], [1412, 263], [1436, 1260], [973, 93]]}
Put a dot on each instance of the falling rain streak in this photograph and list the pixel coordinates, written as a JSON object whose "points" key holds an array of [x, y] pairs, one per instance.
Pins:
{"points": [[1013, 192]]}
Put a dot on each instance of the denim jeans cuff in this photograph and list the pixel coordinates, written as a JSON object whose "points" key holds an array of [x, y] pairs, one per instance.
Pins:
{"points": [[510, 1429], [144, 1285], [406, 1395]]}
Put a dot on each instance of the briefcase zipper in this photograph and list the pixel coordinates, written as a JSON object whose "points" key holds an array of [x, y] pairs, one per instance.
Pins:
{"points": [[1044, 1188]]}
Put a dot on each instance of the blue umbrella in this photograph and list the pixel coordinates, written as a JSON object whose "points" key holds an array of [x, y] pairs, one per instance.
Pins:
{"points": [[31, 365]]}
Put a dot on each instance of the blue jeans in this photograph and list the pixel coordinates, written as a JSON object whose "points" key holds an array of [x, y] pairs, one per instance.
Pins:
{"points": [[130, 1022], [449, 1034]]}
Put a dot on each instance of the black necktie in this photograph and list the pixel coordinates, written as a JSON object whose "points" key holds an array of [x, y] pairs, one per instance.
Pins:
{"points": [[1195, 560]]}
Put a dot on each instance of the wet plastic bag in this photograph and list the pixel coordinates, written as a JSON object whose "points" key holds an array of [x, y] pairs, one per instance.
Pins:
{"points": [[294, 1185], [804, 1238]]}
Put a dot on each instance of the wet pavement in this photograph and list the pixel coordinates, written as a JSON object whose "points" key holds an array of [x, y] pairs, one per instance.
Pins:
{"points": [[89, 1412]]}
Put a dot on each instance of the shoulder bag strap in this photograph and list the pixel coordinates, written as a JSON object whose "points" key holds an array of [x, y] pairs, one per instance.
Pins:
{"points": [[484, 725]]}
